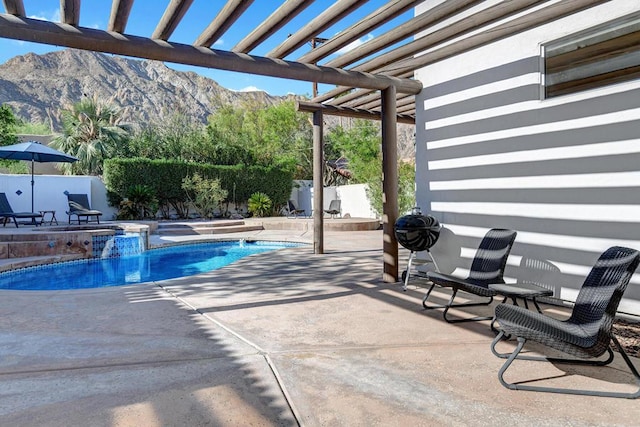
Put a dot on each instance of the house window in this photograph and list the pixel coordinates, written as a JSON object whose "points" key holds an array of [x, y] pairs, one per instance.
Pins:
{"points": [[599, 56]]}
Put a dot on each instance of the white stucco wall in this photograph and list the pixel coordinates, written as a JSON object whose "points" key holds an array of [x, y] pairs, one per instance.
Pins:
{"points": [[563, 172], [353, 198], [49, 193]]}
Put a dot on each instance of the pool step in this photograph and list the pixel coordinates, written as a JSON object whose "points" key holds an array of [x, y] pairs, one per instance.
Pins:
{"points": [[205, 227]]}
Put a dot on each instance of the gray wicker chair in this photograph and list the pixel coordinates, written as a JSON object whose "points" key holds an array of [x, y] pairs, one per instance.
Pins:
{"points": [[487, 268], [587, 334]]}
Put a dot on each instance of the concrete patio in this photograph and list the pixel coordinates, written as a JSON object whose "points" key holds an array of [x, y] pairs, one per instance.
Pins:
{"points": [[282, 338]]}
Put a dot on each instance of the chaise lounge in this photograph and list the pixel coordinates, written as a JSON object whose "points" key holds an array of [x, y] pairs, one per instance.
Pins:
{"points": [[293, 211], [7, 214], [79, 206]]}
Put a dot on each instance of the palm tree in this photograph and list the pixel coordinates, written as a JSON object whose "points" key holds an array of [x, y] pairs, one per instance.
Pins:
{"points": [[91, 131]]}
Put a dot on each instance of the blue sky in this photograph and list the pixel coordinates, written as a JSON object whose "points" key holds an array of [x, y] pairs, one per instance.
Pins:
{"points": [[145, 14]]}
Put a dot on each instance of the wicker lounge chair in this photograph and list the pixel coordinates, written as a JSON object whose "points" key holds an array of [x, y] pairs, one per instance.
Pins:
{"points": [[79, 206], [587, 334], [487, 268], [293, 210], [7, 214], [334, 209]]}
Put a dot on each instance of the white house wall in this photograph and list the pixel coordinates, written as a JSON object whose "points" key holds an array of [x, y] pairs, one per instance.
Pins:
{"points": [[563, 172]]}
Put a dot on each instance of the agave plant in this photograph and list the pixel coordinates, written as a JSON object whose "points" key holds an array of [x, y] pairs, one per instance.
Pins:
{"points": [[259, 204], [140, 203]]}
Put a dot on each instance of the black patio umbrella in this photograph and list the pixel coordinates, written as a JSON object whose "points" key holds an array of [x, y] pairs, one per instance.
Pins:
{"points": [[36, 152]]}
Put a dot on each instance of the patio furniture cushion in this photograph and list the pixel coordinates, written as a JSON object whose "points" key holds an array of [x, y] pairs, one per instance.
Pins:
{"points": [[79, 206]]}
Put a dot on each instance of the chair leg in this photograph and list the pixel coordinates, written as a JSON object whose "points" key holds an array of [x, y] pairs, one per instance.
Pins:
{"points": [[521, 341], [426, 297], [470, 304], [450, 304]]}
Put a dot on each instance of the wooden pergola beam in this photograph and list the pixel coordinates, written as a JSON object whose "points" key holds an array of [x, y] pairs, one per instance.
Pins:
{"points": [[361, 28], [411, 27], [70, 12], [120, 10], [370, 102], [333, 110], [465, 25], [171, 17], [33, 30], [333, 93], [366, 102], [229, 14], [532, 19], [409, 109], [14, 7], [354, 94], [337, 11], [285, 13]]}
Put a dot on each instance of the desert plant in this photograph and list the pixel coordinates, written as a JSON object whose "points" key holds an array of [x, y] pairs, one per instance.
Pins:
{"points": [[139, 203], [92, 132], [259, 204], [204, 194]]}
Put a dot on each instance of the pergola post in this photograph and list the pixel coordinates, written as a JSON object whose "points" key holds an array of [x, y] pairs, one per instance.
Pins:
{"points": [[318, 186], [389, 185]]}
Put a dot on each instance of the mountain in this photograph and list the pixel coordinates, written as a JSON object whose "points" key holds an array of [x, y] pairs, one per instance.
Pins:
{"points": [[37, 87]]}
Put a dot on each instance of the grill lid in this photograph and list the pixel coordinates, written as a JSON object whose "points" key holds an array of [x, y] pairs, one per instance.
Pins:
{"points": [[417, 232]]}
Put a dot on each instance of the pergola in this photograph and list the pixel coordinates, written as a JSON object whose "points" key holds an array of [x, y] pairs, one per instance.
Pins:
{"points": [[374, 80]]}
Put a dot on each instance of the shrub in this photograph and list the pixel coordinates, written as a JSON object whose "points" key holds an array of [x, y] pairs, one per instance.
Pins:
{"points": [[139, 203], [166, 176], [204, 194], [259, 204]]}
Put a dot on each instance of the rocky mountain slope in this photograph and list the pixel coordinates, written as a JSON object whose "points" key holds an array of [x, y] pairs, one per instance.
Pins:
{"points": [[37, 87]]}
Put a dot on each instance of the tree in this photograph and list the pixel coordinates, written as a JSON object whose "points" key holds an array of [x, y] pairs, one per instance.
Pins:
{"points": [[92, 132], [205, 194], [8, 124], [176, 137], [361, 146], [273, 135]]}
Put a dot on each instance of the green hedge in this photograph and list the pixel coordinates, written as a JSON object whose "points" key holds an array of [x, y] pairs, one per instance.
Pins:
{"points": [[165, 177]]}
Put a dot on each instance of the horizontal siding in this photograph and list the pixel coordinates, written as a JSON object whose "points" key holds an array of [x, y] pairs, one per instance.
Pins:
{"points": [[563, 172]]}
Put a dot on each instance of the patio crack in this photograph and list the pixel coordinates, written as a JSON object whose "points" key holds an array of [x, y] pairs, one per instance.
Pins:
{"points": [[287, 397]]}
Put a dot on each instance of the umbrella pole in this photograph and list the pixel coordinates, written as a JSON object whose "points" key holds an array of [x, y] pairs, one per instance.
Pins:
{"points": [[31, 183]]}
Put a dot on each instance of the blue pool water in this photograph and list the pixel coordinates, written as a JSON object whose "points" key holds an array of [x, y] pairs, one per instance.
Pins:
{"points": [[151, 265]]}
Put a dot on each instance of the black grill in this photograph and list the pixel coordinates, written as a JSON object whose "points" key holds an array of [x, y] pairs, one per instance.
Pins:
{"points": [[417, 232]]}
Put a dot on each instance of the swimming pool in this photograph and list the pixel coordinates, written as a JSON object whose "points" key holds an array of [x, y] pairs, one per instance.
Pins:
{"points": [[152, 265]]}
